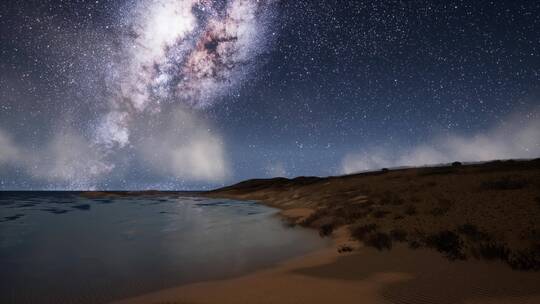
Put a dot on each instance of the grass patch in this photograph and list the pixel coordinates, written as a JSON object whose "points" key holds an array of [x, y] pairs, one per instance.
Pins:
{"points": [[524, 260], [410, 210], [528, 259], [379, 240], [492, 251], [447, 242], [390, 198], [360, 232], [439, 211], [505, 183], [414, 244], [344, 249], [380, 213], [326, 230], [399, 235], [472, 233], [444, 205]]}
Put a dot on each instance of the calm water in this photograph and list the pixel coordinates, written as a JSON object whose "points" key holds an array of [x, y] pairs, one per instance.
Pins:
{"points": [[58, 247]]}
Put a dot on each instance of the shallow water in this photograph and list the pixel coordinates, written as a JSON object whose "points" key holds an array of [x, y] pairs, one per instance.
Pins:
{"points": [[60, 247]]}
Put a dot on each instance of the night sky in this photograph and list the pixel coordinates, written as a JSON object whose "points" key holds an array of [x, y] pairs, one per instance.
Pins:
{"points": [[194, 94]]}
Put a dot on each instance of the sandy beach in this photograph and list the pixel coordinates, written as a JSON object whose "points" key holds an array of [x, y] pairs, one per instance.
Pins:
{"points": [[365, 275]]}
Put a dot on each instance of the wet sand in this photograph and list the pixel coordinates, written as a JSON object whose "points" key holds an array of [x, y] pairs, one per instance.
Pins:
{"points": [[365, 275]]}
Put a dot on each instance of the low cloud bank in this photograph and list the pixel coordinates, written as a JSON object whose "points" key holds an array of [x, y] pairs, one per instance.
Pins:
{"points": [[516, 137], [183, 145], [178, 146], [276, 169], [9, 152], [66, 161]]}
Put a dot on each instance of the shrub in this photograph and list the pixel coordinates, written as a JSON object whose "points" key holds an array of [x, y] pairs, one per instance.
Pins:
{"points": [[390, 198], [534, 236], [361, 231], [344, 248], [353, 212], [414, 244], [447, 242], [415, 199], [456, 164], [380, 213], [491, 251], [520, 260], [472, 233], [399, 235], [318, 214], [379, 240], [326, 230], [443, 208], [524, 260], [439, 211], [410, 210], [385, 170]]}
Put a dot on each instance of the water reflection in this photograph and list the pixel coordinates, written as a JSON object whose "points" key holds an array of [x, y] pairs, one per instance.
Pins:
{"points": [[58, 247]]}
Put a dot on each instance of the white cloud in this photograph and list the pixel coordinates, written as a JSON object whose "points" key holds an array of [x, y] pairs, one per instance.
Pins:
{"points": [[67, 160], [276, 169], [365, 160], [517, 137], [177, 144], [183, 145], [9, 152]]}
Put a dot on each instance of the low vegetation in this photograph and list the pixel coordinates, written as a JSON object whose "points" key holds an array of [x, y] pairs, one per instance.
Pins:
{"points": [[485, 211], [505, 183]]}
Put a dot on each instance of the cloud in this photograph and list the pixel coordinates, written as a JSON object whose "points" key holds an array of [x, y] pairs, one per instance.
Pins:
{"points": [[9, 152], [516, 137], [176, 146], [67, 160], [182, 145], [276, 169]]}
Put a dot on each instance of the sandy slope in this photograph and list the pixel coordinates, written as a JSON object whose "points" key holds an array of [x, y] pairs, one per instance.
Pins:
{"points": [[489, 210], [365, 276]]}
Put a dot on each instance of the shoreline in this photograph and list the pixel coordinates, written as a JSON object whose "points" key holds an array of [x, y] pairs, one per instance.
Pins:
{"points": [[402, 275], [471, 227], [365, 275]]}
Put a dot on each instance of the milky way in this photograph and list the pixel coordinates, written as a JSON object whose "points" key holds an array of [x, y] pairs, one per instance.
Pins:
{"points": [[191, 52]]}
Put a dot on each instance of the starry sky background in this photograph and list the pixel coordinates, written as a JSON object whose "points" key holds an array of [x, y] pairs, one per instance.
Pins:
{"points": [[335, 87]]}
